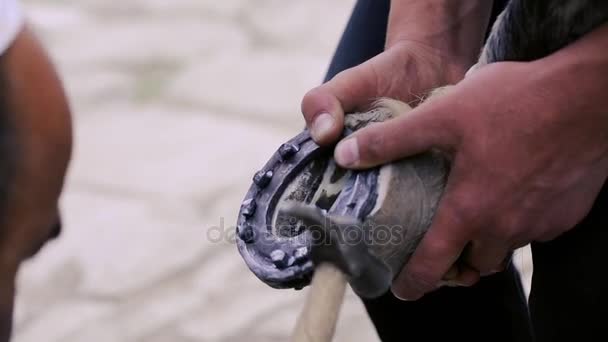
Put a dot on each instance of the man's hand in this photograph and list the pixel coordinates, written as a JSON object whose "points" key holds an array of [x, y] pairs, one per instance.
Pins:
{"points": [[529, 148], [430, 43]]}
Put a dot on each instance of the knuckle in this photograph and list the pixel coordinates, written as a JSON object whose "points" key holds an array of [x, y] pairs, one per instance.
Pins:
{"points": [[372, 146], [420, 279], [506, 227], [511, 225], [343, 76], [439, 246], [462, 210], [312, 103]]}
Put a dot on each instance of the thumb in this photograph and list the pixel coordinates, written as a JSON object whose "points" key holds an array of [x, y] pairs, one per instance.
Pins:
{"points": [[420, 130], [324, 107]]}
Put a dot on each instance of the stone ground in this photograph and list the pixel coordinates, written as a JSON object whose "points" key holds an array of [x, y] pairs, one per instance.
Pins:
{"points": [[176, 104]]}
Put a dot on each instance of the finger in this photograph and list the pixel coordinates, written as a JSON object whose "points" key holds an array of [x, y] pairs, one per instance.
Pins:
{"points": [[487, 256], [460, 275], [437, 252], [452, 273], [324, 107], [424, 128], [467, 276]]}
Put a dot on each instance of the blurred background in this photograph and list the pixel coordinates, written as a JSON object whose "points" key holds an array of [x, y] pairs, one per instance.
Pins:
{"points": [[176, 104]]}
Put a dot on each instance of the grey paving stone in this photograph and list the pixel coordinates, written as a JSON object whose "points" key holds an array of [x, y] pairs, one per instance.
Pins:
{"points": [[306, 26], [60, 321], [165, 151], [257, 84]]}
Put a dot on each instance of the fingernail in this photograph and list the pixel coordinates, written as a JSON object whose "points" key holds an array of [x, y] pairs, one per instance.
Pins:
{"points": [[395, 291], [404, 294], [451, 274], [407, 297], [347, 152], [402, 299], [491, 272], [322, 126], [451, 283]]}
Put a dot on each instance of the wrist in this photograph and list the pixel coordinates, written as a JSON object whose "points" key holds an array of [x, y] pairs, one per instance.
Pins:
{"points": [[572, 90], [433, 68], [577, 75], [453, 30]]}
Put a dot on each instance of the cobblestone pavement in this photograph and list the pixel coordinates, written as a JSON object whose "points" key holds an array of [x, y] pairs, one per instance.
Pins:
{"points": [[176, 104]]}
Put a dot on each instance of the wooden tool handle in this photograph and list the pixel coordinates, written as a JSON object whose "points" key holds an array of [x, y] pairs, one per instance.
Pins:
{"points": [[317, 321]]}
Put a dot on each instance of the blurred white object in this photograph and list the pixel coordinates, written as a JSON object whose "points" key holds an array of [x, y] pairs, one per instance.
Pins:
{"points": [[11, 20]]}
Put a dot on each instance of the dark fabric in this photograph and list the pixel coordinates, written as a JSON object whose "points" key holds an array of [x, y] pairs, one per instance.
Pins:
{"points": [[569, 297], [363, 37], [568, 301], [492, 310]]}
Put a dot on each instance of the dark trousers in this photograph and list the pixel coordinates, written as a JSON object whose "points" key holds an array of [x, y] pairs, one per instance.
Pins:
{"points": [[568, 300]]}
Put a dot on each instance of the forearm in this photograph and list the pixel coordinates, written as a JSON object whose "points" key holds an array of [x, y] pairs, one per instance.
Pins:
{"points": [[454, 28], [577, 77], [567, 92], [580, 68]]}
